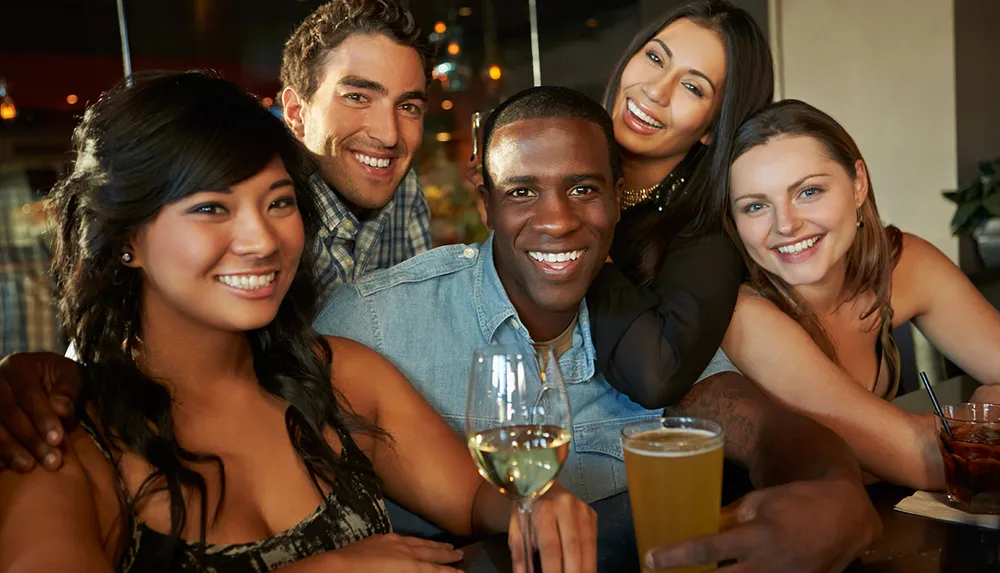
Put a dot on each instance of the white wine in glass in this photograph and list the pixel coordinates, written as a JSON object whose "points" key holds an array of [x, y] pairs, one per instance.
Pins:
{"points": [[518, 425]]}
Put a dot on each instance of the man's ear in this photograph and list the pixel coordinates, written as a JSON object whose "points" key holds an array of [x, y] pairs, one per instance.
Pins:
{"points": [[293, 111], [484, 196]]}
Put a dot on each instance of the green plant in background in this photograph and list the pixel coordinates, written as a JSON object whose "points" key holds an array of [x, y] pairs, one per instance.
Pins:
{"points": [[977, 201]]}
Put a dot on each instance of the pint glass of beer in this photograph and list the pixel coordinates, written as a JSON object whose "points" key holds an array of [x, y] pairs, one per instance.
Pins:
{"points": [[674, 468]]}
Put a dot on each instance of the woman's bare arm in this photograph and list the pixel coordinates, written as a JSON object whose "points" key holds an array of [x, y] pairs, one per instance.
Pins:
{"points": [[930, 290], [428, 469], [778, 355], [425, 468]]}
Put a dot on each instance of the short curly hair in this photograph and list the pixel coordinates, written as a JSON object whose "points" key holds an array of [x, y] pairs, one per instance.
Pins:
{"points": [[332, 23], [547, 102]]}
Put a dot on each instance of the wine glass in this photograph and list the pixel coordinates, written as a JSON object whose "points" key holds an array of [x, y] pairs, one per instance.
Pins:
{"points": [[518, 426]]}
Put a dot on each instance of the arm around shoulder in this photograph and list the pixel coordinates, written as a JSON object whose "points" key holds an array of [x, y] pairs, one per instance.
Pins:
{"points": [[654, 342], [779, 357], [775, 444]]}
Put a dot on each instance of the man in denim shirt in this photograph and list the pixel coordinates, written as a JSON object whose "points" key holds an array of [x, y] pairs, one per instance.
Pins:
{"points": [[427, 315]]}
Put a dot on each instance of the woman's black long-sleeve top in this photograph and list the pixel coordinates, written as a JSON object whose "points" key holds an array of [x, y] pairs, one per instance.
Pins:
{"points": [[653, 342]]}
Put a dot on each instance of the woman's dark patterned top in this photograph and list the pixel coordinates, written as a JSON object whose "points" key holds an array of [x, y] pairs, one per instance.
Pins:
{"points": [[353, 510]]}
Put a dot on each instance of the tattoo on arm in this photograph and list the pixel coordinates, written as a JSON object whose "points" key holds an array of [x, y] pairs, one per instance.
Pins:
{"points": [[733, 402]]}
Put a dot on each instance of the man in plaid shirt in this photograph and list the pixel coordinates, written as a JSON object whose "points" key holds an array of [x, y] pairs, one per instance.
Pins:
{"points": [[354, 77]]}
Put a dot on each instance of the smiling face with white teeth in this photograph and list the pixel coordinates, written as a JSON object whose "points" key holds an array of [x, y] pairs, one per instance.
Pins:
{"points": [[796, 209], [222, 259], [365, 120], [670, 92], [553, 207]]}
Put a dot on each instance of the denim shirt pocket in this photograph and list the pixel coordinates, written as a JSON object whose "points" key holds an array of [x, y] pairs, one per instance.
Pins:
{"points": [[598, 470]]}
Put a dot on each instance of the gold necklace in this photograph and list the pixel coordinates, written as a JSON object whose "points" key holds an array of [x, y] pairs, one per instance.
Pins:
{"points": [[632, 197]]}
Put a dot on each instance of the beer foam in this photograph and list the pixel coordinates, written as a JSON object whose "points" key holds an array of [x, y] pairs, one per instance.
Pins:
{"points": [[670, 442]]}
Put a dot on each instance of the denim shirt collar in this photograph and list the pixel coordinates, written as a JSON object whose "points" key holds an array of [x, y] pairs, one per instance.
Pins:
{"points": [[494, 310], [493, 306]]}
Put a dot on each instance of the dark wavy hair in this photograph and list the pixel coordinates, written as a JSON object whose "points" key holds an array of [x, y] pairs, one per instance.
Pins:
{"points": [[332, 23], [139, 148], [872, 255], [699, 206]]}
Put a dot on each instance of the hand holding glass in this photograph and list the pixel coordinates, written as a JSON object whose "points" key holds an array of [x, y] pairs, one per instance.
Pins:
{"points": [[674, 471], [971, 452], [518, 425]]}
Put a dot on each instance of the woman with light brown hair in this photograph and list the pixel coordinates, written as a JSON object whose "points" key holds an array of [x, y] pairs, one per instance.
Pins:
{"points": [[827, 284]]}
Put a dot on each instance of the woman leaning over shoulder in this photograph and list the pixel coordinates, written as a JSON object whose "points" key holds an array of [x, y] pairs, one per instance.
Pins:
{"points": [[677, 96]]}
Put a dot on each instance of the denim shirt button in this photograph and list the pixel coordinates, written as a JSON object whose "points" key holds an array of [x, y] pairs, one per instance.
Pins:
{"points": [[515, 323], [469, 253]]}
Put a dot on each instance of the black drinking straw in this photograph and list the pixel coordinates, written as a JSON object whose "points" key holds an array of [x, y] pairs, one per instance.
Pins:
{"points": [[937, 405]]}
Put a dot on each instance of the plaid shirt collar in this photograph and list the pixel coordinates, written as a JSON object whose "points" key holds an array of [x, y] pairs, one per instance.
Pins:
{"points": [[336, 219], [348, 247]]}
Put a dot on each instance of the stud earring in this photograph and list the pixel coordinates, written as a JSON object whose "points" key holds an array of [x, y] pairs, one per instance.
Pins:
{"points": [[126, 258]]}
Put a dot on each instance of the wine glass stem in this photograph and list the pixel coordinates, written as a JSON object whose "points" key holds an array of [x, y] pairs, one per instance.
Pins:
{"points": [[524, 520]]}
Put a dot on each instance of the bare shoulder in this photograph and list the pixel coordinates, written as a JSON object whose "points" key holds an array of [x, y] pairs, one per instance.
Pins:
{"points": [[361, 374], [86, 471], [758, 321], [350, 355], [91, 459], [100, 476], [752, 304], [922, 271], [917, 254], [72, 507], [913, 243], [73, 476]]}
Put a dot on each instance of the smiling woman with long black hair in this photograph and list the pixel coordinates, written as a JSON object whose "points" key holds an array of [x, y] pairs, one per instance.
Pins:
{"points": [[218, 430]]}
